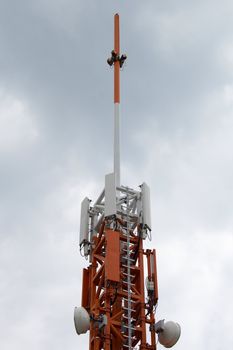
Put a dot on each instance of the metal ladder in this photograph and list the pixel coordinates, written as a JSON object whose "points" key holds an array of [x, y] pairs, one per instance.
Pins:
{"points": [[127, 301]]}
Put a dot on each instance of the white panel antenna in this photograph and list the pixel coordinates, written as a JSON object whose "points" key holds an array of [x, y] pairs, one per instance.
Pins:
{"points": [[110, 195], [84, 221], [146, 212]]}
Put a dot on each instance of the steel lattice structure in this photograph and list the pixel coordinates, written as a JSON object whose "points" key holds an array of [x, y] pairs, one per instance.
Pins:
{"points": [[113, 284]]}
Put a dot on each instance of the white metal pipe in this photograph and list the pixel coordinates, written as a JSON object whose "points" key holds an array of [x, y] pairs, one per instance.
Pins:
{"points": [[117, 170]]}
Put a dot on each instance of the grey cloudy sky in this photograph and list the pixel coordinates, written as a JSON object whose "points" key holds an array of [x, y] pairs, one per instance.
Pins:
{"points": [[56, 146]]}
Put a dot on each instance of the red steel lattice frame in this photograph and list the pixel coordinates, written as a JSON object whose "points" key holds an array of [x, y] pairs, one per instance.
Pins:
{"points": [[103, 291]]}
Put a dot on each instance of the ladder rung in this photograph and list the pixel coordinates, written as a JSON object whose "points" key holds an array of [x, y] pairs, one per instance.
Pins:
{"points": [[131, 301], [129, 327], [130, 267], [126, 274], [126, 336], [126, 290], [132, 284], [126, 258], [128, 309], [127, 252], [132, 319]]}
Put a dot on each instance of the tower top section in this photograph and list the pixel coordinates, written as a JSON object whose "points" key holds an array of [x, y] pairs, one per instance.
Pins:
{"points": [[116, 307]]}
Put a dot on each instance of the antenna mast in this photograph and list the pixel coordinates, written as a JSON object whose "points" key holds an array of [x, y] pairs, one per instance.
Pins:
{"points": [[117, 169], [118, 62]]}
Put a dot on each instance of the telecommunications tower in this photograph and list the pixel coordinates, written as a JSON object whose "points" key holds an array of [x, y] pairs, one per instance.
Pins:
{"points": [[119, 287]]}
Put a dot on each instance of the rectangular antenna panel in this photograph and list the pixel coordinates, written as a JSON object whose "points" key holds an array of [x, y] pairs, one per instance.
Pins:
{"points": [[110, 195], [153, 268], [146, 212], [84, 221]]}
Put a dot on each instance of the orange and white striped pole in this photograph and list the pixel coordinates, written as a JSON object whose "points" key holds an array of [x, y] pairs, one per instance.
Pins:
{"points": [[117, 60]]}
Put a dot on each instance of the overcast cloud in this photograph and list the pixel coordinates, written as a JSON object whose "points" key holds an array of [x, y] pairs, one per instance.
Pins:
{"points": [[56, 120]]}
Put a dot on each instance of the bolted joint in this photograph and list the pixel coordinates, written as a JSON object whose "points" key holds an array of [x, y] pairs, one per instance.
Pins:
{"points": [[99, 321], [152, 327]]}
